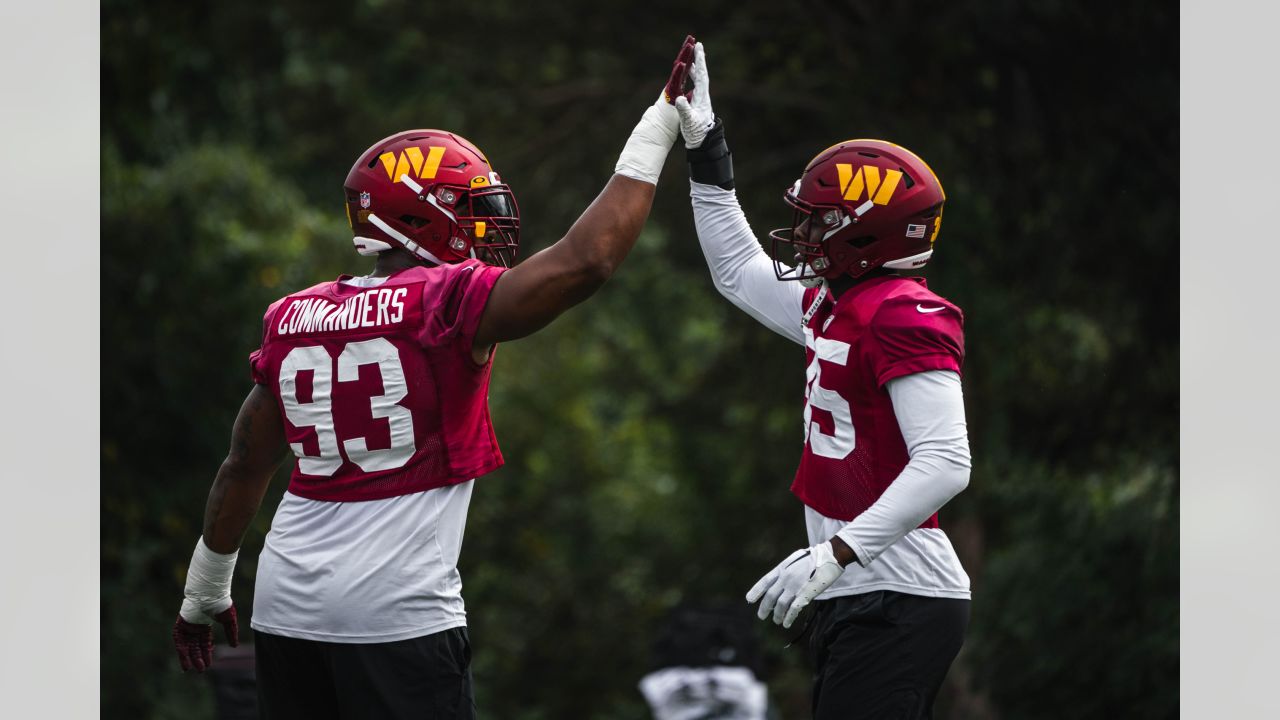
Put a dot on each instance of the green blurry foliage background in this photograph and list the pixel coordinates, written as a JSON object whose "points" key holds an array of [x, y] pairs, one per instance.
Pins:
{"points": [[651, 433]]}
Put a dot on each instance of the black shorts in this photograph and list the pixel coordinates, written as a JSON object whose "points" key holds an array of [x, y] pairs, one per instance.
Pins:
{"points": [[420, 678], [883, 655]]}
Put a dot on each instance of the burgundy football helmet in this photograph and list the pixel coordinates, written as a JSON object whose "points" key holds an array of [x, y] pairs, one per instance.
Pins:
{"points": [[434, 194], [860, 205]]}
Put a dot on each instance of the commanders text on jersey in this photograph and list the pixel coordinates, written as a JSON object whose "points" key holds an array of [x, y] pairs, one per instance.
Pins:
{"points": [[384, 306]]}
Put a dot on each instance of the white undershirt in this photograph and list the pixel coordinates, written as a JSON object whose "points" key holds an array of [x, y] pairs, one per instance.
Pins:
{"points": [[363, 572], [895, 554]]}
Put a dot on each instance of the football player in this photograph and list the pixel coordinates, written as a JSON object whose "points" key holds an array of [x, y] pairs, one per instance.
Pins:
{"points": [[377, 388], [885, 441]]}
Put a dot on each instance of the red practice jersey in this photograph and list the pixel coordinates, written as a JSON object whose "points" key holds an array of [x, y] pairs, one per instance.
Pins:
{"points": [[377, 385], [878, 330]]}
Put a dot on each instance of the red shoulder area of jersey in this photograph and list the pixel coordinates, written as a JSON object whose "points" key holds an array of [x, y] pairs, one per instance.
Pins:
{"points": [[889, 299], [913, 329]]}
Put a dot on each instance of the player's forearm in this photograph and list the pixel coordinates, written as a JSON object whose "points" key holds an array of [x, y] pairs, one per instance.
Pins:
{"points": [[923, 487], [233, 502], [929, 407], [605, 233], [528, 297], [608, 229], [725, 235], [538, 290], [740, 269]]}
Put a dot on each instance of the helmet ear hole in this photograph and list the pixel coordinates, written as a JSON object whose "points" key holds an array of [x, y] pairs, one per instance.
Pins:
{"points": [[413, 221], [861, 242], [929, 213]]}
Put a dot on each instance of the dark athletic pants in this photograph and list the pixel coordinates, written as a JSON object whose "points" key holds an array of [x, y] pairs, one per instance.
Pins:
{"points": [[882, 655], [427, 677]]}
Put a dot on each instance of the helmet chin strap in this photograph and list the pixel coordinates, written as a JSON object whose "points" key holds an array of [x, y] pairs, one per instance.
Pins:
{"points": [[369, 246], [404, 240], [908, 263]]}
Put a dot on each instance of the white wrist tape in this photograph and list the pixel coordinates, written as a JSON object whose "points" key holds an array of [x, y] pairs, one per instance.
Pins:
{"points": [[208, 589], [646, 150]]}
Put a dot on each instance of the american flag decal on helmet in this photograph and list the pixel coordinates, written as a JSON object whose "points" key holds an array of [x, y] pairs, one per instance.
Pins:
{"points": [[916, 231]]}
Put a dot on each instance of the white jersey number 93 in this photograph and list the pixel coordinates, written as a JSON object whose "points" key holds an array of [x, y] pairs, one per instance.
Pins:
{"points": [[319, 412]]}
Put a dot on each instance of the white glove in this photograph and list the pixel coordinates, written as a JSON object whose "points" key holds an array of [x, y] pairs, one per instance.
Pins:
{"points": [[696, 118], [208, 589], [646, 150], [795, 582]]}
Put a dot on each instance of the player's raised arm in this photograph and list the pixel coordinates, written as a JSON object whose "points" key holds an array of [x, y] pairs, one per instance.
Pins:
{"points": [[741, 270], [531, 295], [257, 449]]}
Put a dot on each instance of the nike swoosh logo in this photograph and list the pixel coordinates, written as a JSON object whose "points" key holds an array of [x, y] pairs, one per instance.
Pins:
{"points": [[924, 309], [793, 562]]}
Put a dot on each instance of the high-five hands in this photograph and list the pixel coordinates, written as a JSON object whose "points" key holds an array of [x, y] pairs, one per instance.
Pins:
{"points": [[696, 116], [680, 72], [646, 150], [794, 583]]}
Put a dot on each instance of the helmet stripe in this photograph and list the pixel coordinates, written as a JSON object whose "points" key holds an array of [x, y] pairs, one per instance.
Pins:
{"points": [[408, 181]]}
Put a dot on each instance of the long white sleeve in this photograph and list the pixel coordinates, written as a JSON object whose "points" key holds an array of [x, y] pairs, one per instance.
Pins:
{"points": [[930, 411], [741, 270]]}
